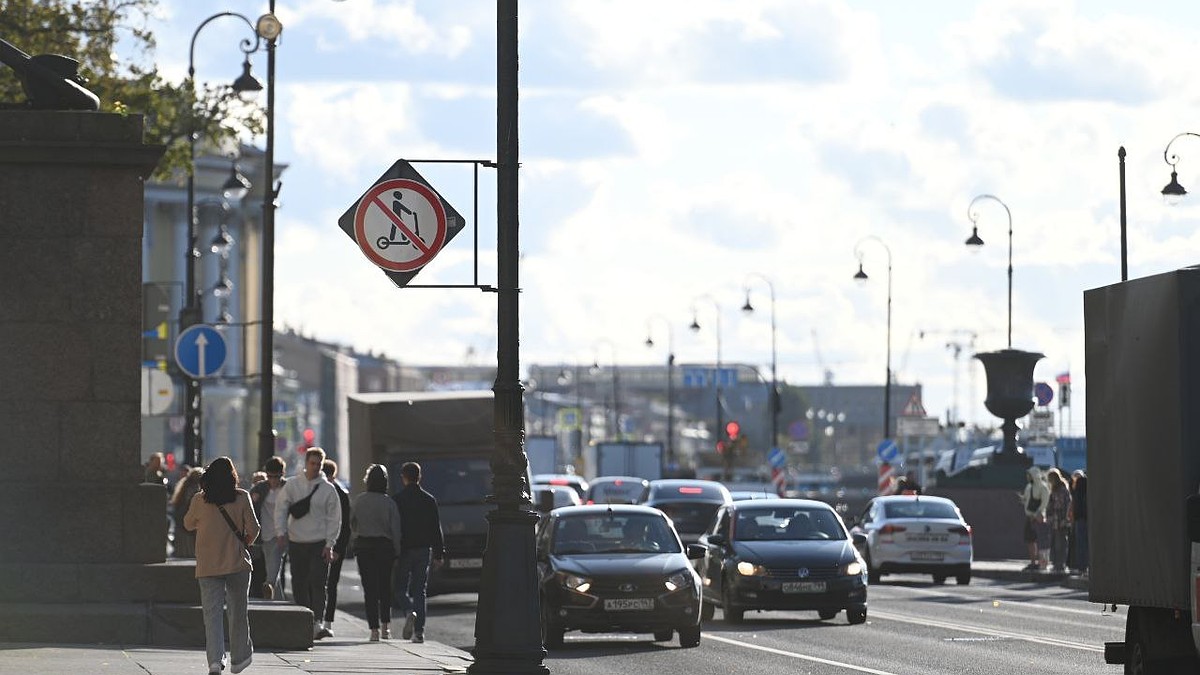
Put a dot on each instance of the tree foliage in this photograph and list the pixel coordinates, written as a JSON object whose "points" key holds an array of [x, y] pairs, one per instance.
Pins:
{"points": [[95, 33]]}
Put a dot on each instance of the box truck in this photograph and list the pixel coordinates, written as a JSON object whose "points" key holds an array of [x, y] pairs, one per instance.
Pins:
{"points": [[1142, 359], [644, 460]]}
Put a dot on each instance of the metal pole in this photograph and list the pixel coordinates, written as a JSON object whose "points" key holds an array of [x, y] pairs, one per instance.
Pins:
{"points": [[507, 621], [1124, 246], [887, 384], [266, 422]]}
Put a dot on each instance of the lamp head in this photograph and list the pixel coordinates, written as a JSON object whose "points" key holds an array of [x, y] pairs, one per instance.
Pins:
{"points": [[246, 86], [695, 325], [1173, 192], [860, 276], [236, 186], [649, 341], [268, 27], [222, 242], [748, 308], [974, 239]]}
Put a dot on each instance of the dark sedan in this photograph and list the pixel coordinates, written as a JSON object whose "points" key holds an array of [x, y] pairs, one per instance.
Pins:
{"points": [[781, 554], [616, 568]]}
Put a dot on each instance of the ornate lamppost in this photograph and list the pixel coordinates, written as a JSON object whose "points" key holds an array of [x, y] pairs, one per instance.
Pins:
{"points": [[695, 327], [861, 277], [773, 402], [615, 431], [670, 382]]}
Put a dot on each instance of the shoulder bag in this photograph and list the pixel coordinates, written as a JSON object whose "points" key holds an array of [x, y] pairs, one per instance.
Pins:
{"points": [[241, 536], [300, 509]]}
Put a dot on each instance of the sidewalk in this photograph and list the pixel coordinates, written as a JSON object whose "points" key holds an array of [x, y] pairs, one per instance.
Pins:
{"points": [[1013, 570], [347, 651]]}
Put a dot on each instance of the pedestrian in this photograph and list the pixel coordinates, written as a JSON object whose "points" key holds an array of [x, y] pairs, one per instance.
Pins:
{"points": [[1079, 522], [185, 490], [308, 518], [264, 495], [154, 470], [1035, 499], [330, 469], [1058, 517], [223, 519], [375, 524], [420, 545]]}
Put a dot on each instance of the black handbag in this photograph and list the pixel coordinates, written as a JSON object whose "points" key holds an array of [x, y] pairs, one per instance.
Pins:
{"points": [[300, 509]]}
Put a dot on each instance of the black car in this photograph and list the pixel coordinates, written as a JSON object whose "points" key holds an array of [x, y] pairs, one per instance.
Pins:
{"points": [[690, 504], [616, 568], [781, 554], [616, 490]]}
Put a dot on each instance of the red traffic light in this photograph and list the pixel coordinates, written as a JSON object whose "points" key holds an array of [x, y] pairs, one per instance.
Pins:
{"points": [[733, 429], [720, 447], [309, 436]]}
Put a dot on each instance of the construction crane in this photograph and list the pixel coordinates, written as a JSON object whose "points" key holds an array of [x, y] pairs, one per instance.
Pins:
{"points": [[956, 346], [825, 371]]}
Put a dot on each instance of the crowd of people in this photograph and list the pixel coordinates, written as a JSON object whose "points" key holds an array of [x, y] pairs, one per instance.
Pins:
{"points": [[241, 539], [1056, 535]]}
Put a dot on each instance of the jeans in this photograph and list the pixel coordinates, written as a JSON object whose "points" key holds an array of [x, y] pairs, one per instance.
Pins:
{"points": [[273, 553], [375, 568], [1058, 548], [335, 575], [309, 571], [1081, 546], [217, 594], [411, 578]]}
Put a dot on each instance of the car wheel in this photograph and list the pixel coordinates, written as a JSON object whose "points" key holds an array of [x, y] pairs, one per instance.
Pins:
{"points": [[939, 579], [856, 616], [963, 578], [827, 614], [707, 610], [552, 633], [663, 635], [731, 613], [689, 636]]}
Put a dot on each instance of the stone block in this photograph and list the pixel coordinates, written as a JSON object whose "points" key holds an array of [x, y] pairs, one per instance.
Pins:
{"points": [[28, 292], [114, 379], [112, 623], [44, 361], [101, 441], [143, 524], [105, 280], [31, 438], [273, 625]]}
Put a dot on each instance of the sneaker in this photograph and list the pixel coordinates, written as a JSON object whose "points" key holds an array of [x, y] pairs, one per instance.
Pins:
{"points": [[239, 667], [268, 591], [322, 633], [410, 621], [418, 638], [374, 635], [385, 632]]}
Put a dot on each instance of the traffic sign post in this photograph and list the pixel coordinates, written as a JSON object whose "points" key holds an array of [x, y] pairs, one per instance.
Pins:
{"points": [[400, 223], [200, 351]]}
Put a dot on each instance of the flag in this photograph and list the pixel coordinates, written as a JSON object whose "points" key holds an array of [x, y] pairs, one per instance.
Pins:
{"points": [[1063, 378]]}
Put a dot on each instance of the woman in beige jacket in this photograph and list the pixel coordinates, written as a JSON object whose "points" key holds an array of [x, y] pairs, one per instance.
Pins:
{"points": [[223, 519]]}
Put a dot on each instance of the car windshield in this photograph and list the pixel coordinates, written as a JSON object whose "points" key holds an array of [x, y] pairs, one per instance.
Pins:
{"points": [[616, 492], [691, 517], [919, 508], [614, 533], [787, 524]]}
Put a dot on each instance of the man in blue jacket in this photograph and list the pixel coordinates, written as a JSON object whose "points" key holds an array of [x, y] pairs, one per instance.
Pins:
{"points": [[420, 544]]}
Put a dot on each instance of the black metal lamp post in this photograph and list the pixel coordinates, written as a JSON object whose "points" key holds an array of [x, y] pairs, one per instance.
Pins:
{"points": [[773, 401], [861, 277], [670, 382], [1009, 395], [508, 622], [615, 432], [1173, 192], [975, 241], [192, 311], [695, 327]]}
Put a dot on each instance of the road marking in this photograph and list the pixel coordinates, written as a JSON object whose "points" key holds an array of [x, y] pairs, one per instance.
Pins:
{"points": [[794, 655], [985, 595], [965, 628]]}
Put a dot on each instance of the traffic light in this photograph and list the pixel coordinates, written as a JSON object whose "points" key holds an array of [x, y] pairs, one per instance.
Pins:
{"points": [[733, 429], [720, 447]]}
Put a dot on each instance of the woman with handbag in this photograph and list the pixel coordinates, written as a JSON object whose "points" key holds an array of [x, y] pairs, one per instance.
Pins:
{"points": [[375, 526], [223, 519], [1036, 499]]}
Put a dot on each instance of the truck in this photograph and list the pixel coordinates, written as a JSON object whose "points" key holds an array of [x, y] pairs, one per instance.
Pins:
{"points": [[644, 460], [542, 452], [450, 434], [1142, 360]]}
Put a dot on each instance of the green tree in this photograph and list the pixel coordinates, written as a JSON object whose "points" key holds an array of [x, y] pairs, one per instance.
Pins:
{"points": [[95, 33]]}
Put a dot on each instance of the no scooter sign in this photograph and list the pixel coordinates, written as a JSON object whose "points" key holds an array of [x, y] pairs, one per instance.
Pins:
{"points": [[401, 223]]}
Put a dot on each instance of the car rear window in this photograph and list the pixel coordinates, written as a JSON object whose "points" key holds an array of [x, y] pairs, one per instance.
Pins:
{"points": [[690, 517], [622, 492], [614, 533], [919, 509], [697, 491], [787, 524]]}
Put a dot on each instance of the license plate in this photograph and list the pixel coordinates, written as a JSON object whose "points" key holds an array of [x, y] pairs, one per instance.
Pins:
{"points": [[934, 538], [927, 555], [804, 587], [628, 604], [465, 563]]}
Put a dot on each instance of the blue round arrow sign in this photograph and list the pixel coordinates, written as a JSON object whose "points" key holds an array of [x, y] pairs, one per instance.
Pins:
{"points": [[200, 351], [887, 450]]}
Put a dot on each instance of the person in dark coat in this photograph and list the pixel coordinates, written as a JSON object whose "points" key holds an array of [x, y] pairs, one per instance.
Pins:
{"points": [[1079, 522], [330, 468], [420, 545]]}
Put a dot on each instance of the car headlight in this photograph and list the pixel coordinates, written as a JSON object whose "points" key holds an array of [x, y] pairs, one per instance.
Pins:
{"points": [[575, 583], [747, 569], [678, 580], [854, 569]]}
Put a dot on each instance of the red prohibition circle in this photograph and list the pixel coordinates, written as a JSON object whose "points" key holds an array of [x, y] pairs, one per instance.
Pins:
{"points": [[368, 247]]}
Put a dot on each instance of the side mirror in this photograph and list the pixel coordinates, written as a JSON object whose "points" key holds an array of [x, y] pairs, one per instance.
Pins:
{"points": [[718, 540], [858, 538], [1193, 518], [696, 551], [545, 501]]}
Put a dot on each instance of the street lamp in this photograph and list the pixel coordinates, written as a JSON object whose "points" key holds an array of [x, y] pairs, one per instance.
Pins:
{"points": [[974, 240], [192, 311], [773, 401], [717, 374], [1173, 192], [861, 276], [670, 382], [616, 406]]}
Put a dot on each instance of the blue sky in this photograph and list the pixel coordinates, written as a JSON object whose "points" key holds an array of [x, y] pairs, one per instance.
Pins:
{"points": [[671, 149]]}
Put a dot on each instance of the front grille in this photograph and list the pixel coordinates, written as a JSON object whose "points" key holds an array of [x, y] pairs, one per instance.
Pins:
{"points": [[813, 573], [638, 586], [465, 545]]}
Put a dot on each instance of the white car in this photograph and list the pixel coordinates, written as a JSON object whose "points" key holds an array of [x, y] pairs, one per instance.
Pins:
{"points": [[914, 533]]}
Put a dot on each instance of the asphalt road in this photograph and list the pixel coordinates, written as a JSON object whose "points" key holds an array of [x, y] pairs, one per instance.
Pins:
{"points": [[913, 627]]}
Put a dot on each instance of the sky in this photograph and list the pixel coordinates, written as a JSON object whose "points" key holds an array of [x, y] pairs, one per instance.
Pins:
{"points": [[675, 152]]}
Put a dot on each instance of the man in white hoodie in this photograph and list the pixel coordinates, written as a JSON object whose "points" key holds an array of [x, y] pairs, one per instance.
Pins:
{"points": [[310, 537]]}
